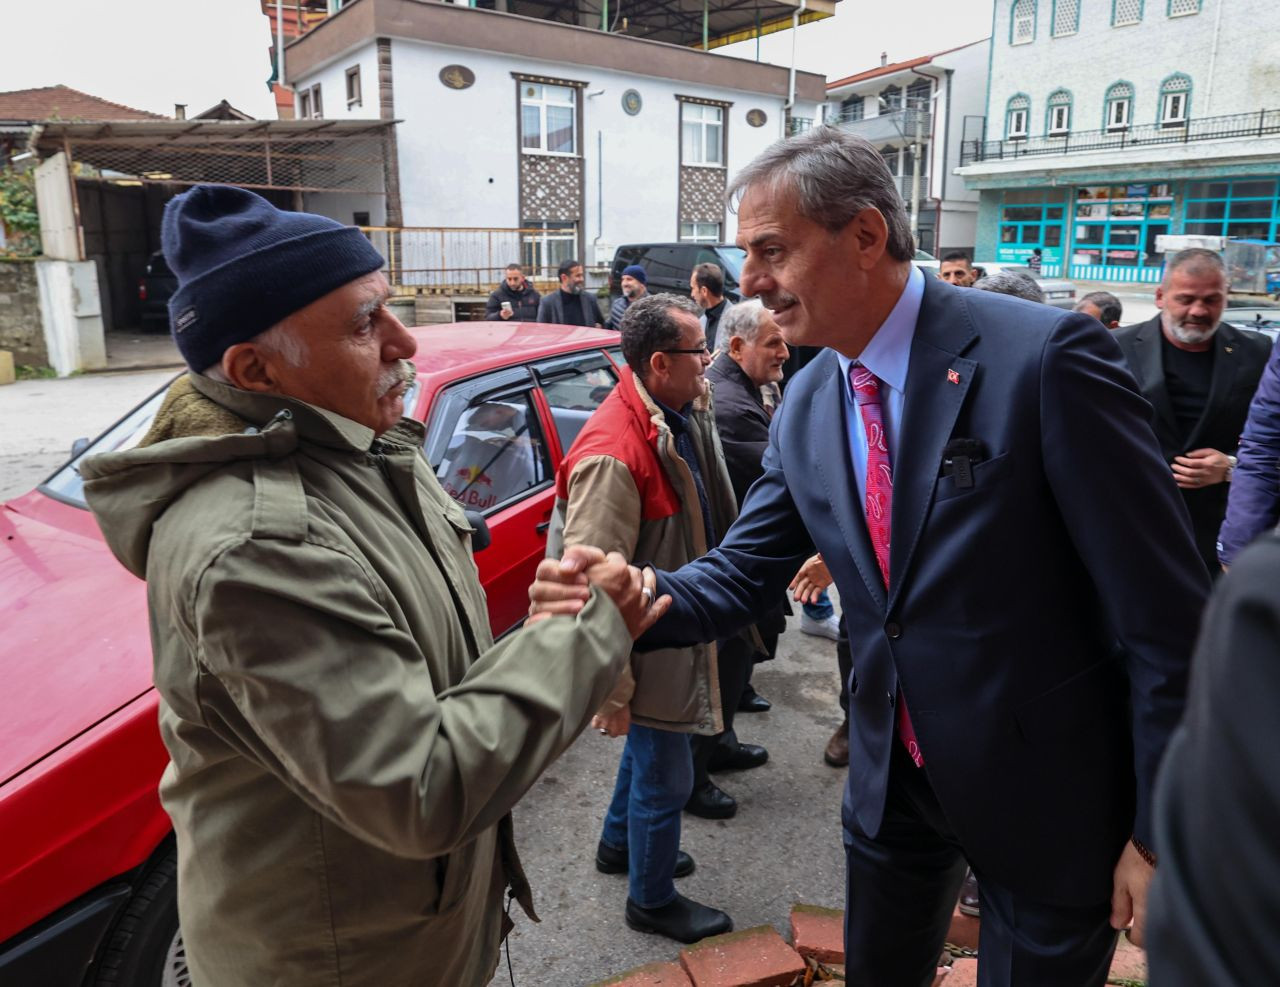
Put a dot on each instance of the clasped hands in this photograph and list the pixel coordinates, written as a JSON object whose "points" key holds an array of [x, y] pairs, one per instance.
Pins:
{"points": [[562, 587], [1200, 468]]}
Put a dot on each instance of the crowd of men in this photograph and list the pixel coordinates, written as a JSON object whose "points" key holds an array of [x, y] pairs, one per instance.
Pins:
{"points": [[1019, 513]]}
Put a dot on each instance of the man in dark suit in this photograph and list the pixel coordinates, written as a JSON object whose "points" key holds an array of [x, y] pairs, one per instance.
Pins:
{"points": [[1017, 571], [1213, 902], [572, 305], [1199, 376]]}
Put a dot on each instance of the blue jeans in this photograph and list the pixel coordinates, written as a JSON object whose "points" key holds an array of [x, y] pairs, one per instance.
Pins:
{"points": [[820, 610], [655, 780]]}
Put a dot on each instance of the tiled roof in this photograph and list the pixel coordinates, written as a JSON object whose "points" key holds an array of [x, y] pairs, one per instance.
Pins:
{"points": [[893, 67], [65, 103]]}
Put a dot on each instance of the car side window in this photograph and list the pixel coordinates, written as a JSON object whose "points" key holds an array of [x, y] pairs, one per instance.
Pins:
{"points": [[488, 449], [574, 387]]}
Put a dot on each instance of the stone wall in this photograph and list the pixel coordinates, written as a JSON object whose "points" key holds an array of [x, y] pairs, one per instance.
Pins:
{"points": [[21, 330]]}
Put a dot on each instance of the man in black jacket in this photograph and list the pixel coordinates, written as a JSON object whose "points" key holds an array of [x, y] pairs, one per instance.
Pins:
{"points": [[571, 305], [1199, 377], [515, 300]]}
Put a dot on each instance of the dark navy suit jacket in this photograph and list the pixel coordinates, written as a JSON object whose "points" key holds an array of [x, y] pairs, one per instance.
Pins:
{"points": [[1040, 621]]}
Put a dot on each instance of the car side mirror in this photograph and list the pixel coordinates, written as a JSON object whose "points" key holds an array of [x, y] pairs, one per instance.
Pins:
{"points": [[79, 446], [480, 537]]}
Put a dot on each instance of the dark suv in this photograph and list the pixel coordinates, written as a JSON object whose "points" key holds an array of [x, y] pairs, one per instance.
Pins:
{"points": [[668, 265]]}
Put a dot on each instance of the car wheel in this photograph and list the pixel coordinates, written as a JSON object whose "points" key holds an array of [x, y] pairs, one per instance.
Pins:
{"points": [[145, 947]]}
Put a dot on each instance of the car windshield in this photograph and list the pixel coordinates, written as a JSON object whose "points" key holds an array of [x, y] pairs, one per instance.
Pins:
{"points": [[67, 484]]}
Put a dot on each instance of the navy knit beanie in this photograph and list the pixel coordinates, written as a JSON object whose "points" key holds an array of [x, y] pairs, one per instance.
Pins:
{"points": [[243, 265], [637, 272]]}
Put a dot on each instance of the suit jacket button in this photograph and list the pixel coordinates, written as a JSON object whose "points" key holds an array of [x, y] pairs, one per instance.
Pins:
{"points": [[893, 629], [889, 696]]}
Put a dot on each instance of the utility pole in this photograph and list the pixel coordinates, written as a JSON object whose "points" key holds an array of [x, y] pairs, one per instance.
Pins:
{"points": [[915, 180]]}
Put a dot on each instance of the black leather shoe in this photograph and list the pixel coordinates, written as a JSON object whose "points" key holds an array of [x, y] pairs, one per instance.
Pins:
{"points": [[753, 702], [682, 920], [611, 861], [711, 803], [738, 758], [969, 904]]}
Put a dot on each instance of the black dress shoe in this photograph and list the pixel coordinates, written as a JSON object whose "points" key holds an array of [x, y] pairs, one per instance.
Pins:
{"points": [[711, 803], [969, 902], [753, 702], [738, 758], [682, 920], [611, 861]]}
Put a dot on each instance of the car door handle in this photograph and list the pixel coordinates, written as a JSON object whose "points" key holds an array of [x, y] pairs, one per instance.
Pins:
{"points": [[542, 526]]}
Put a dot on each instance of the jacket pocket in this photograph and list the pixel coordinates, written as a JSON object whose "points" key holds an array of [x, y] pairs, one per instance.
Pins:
{"points": [[1070, 706], [986, 474]]}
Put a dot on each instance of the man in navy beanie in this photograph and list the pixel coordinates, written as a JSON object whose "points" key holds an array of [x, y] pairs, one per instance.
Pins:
{"points": [[345, 739], [635, 285]]}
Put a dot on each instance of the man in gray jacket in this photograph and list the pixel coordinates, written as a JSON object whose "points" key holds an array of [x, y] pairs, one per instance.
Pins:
{"points": [[346, 741]]}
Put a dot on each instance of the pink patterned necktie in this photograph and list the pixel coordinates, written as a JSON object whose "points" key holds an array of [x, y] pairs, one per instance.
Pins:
{"points": [[878, 506]]}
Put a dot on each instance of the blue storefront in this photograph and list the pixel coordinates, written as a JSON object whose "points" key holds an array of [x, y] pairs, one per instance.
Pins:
{"points": [[1107, 232]]}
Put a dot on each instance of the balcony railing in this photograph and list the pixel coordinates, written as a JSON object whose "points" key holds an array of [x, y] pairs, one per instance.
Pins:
{"points": [[798, 125], [458, 260], [895, 125], [904, 187], [1239, 125]]}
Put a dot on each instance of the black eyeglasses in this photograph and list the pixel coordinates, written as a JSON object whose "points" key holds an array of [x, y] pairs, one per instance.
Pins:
{"points": [[704, 348]]}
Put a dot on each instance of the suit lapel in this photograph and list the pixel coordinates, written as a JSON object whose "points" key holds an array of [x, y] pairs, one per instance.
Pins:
{"points": [[836, 474], [938, 379], [1226, 367], [1150, 371]]}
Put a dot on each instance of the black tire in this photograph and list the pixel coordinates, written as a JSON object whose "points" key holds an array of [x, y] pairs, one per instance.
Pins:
{"points": [[138, 945]]}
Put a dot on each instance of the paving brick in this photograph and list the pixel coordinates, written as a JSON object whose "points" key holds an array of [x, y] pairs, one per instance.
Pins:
{"points": [[757, 957], [818, 933], [1130, 962], [649, 975], [942, 975], [964, 930], [964, 973]]}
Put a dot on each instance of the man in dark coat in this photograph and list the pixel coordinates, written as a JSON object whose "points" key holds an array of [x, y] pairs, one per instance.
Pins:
{"points": [[1199, 376], [571, 305], [515, 300]]}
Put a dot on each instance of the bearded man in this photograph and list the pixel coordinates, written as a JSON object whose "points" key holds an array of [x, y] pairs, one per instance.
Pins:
{"points": [[1199, 376]]}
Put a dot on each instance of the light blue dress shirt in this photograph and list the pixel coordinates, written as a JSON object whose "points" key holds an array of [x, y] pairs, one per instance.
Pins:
{"points": [[887, 356]]}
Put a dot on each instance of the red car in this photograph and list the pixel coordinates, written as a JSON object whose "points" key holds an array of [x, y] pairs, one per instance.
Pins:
{"points": [[87, 864]]}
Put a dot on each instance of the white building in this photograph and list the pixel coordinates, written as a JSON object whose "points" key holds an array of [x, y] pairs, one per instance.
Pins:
{"points": [[921, 103], [1109, 122], [589, 139]]}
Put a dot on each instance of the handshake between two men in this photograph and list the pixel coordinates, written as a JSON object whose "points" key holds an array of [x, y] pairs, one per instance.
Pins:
{"points": [[562, 587]]}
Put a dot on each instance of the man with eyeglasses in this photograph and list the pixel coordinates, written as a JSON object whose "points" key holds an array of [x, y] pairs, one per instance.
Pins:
{"points": [[646, 478]]}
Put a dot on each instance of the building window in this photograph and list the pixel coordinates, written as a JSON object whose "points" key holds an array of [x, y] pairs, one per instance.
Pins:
{"points": [[1022, 26], [1119, 109], [1066, 17], [890, 99], [1180, 8], [547, 118], [701, 134], [852, 108], [918, 93], [700, 232], [1015, 118], [1058, 120], [1175, 95], [317, 108], [353, 87], [1126, 12], [545, 246], [304, 105], [1031, 218], [1117, 225], [1245, 207]]}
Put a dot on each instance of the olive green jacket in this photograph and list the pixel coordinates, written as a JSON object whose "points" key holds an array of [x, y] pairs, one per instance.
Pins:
{"points": [[345, 739]]}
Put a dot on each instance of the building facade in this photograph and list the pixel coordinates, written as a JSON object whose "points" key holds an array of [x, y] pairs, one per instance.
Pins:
{"points": [[579, 139], [1110, 122], [915, 111]]}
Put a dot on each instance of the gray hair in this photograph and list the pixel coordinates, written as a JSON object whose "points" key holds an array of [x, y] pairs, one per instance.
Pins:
{"points": [[649, 325], [1198, 260], [280, 339], [744, 319], [1012, 283], [834, 175], [1108, 305]]}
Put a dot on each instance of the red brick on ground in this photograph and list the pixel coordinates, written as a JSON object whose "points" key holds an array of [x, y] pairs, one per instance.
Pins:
{"points": [[818, 933], [649, 975], [964, 973], [1130, 962], [964, 930], [756, 957], [942, 975]]}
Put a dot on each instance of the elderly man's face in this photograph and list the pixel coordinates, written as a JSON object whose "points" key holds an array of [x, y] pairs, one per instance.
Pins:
{"points": [[1191, 300], [354, 347], [762, 358], [808, 277]]}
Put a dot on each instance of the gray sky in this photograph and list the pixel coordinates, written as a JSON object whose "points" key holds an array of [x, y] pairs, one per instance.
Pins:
{"points": [[150, 54]]}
